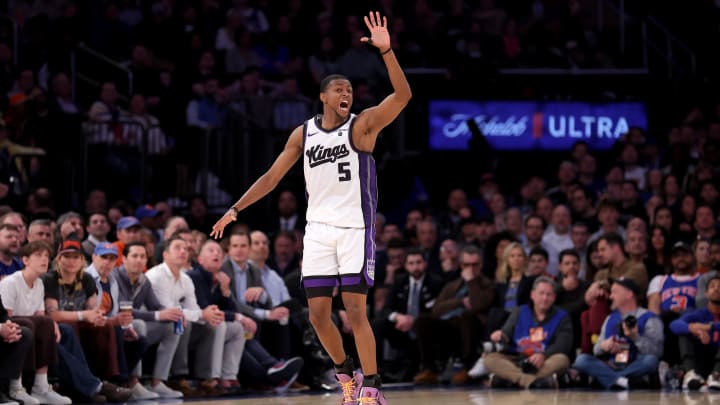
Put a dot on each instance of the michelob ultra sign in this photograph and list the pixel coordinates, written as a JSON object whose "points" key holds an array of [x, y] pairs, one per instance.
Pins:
{"points": [[527, 125]]}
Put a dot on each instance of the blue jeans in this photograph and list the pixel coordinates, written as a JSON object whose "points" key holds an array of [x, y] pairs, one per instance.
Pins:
{"points": [[73, 369], [255, 362], [607, 376]]}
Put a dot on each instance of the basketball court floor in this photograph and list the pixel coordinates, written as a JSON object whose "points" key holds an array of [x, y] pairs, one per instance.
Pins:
{"points": [[481, 396]]}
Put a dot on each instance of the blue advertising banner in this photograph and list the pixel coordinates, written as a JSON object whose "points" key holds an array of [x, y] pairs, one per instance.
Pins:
{"points": [[523, 125]]}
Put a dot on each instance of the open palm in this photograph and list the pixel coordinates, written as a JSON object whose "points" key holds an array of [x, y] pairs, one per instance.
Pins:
{"points": [[379, 36]]}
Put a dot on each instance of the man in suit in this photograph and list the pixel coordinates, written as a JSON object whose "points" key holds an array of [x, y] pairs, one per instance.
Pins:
{"points": [[245, 279], [412, 293], [456, 319], [289, 219], [251, 300]]}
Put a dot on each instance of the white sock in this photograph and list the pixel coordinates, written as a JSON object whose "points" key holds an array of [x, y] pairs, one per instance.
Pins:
{"points": [[41, 383], [15, 383]]}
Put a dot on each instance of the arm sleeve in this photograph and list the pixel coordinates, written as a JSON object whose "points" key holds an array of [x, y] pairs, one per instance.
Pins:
{"points": [[651, 341], [655, 285], [562, 342], [596, 349], [191, 309], [681, 326], [8, 294], [508, 328]]}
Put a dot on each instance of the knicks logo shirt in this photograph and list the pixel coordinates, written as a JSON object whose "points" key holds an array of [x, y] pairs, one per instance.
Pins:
{"points": [[340, 180]]}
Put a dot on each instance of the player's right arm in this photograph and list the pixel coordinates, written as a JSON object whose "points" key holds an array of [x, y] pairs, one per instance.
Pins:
{"points": [[266, 183]]}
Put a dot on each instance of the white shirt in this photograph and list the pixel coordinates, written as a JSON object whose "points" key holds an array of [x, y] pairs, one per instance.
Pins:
{"points": [[174, 292], [21, 299]]}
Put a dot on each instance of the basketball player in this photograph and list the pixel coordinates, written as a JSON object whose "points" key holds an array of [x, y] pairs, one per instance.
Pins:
{"points": [[342, 198]]}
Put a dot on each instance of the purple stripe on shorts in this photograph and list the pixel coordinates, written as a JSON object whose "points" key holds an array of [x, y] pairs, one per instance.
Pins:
{"points": [[368, 195], [352, 280], [320, 282]]}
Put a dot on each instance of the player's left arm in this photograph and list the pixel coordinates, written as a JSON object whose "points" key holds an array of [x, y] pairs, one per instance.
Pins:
{"points": [[372, 120]]}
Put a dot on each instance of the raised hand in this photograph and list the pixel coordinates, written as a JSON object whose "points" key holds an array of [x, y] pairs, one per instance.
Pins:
{"points": [[219, 227], [379, 36]]}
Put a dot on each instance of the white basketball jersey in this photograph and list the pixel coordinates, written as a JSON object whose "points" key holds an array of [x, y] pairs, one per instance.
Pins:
{"points": [[340, 180]]}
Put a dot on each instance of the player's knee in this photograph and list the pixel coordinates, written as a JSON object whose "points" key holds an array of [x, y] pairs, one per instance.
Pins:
{"points": [[319, 319]]}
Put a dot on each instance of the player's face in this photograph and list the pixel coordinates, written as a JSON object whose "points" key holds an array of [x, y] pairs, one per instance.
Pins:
{"points": [[339, 97]]}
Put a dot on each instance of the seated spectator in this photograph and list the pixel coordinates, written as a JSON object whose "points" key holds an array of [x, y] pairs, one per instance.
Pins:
{"points": [[212, 287], [630, 341], [539, 338], [412, 294], [131, 346], [173, 288], [71, 301], [9, 247], [150, 319], [15, 342], [23, 296], [457, 319], [274, 328], [284, 259], [127, 230], [571, 290], [698, 341], [672, 295], [98, 228]]}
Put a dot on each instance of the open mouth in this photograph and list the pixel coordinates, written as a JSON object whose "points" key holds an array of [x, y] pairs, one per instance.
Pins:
{"points": [[344, 104]]}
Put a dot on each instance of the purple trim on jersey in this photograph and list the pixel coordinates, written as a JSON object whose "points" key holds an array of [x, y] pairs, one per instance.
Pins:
{"points": [[350, 280], [305, 131], [350, 137], [368, 196], [320, 282]]}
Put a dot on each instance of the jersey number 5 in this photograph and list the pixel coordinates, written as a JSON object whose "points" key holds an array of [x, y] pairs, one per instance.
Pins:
{"points": [[344, 171]]}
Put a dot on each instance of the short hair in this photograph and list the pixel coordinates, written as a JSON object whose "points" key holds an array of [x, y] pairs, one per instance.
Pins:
{"points": [[545, 280], [39, 222], [285, 234], [715, 277], [173, 238], [328, 79], [568, 252], [582, 223], [67, 216], [35, 246], [539, 250], [612, 238], [396, 243], [536, 216], [607, 203], [471, 250], [9, 227], [13, 213], [415, 251], [126, 249], [241, 234]]}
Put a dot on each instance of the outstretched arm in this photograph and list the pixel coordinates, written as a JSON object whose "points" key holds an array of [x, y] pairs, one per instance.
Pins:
{"points": [[266, 183], [372, 120]]}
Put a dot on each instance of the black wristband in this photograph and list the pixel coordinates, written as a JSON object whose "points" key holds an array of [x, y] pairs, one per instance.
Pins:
{"points": [[384, 52]]}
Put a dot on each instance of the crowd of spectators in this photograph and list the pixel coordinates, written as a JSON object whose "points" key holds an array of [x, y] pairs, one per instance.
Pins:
{"points": [[205, 61]]}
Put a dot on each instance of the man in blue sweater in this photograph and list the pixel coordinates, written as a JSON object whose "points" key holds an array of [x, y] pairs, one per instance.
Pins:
{"points": [[699, 341]]}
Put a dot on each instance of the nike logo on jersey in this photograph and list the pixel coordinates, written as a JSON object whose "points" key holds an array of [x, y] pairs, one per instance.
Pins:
{"points": [[318, 154], [314, 133]]}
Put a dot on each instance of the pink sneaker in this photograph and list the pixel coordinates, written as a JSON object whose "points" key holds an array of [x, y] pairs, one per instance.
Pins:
{"points": [[350, 387], [371, 396]]}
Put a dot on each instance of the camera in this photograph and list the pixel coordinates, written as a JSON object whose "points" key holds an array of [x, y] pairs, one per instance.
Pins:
{"points": [[492, 347], [629, 322], [527, 367]]}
